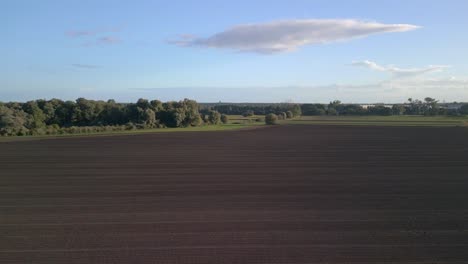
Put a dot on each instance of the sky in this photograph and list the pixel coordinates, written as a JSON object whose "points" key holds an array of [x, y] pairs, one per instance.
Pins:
{"points": [[304, 51]]}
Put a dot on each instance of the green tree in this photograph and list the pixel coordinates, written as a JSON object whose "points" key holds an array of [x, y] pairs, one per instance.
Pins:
{"points": [[271, 119], [13, 121], [143, 104], [431, 106], [214, 117], [149, 118], [224, 119], [296, 110], [332, 111], [398, 109], [313, 109], [248, 113], [334, 107], [464, 109], [156, 105], [289, 114], [84, 112], [37, 118], [282, 115]]}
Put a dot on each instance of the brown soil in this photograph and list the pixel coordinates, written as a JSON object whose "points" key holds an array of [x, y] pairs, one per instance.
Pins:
{"points": [[286, 194]]}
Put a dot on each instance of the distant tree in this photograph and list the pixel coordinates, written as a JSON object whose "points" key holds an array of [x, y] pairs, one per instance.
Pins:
{"points": [[156, 105], [248, 113], [191, 113], [113, 114], [351, 109], [296, 110], [214, 117], [271, 119], [380, 110], [313, 109], [289, 114], [415, 107], [83, 113], [48, 108], [334, 107], [431, 106], [64, 113], [281, 115], [143, 104], [224, 119], [332, 111], [398, 109], [180, 114], [36, 115], [464, 109], [149, 118], [13, 121]]}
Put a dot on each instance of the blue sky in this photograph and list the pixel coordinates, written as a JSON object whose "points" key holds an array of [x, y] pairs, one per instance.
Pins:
{"points": [[238, 51]]}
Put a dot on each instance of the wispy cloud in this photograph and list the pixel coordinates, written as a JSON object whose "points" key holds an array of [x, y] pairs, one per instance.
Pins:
{"points": [[400, 72], [289, 35], [98, 36], [85, 66], [108, 40], [92, 32]]}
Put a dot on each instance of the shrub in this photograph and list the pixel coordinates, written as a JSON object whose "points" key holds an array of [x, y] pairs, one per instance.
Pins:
{"points": [[248, 113], [224, 119], [289, 114], [214, 117], [282, 116], [271, 119]]}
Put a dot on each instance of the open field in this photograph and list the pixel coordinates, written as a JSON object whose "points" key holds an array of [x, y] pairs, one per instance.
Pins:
{"points": [[221, 127], [381, 120], [289, 194]]}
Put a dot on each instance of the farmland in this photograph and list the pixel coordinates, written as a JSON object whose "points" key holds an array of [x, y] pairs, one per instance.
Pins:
{"points": [[427, 121], [293, 194]]}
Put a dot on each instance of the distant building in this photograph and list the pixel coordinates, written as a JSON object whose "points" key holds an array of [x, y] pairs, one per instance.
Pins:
{"points": [[365, 106]]}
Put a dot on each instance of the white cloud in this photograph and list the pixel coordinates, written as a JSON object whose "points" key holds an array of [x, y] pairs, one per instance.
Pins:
{"points": [[400, 72], [289, 35]]}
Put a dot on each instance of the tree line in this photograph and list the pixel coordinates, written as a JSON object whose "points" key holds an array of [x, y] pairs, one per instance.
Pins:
{"points": [[84, 116], [55, 116], [428, 107], [255, 109]]}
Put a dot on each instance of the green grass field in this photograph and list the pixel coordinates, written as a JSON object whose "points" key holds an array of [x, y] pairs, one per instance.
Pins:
{"points": [[238, 119], [380, 120], [223, 127]]}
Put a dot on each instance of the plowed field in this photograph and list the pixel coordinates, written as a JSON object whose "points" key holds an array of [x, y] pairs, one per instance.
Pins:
{"points": [[286, 194]]}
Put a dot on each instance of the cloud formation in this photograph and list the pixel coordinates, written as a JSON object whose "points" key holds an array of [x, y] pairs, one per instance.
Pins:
{"points": [[108, 40], [289, 35], [99, 36], [84, 33], [400, 72]]}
